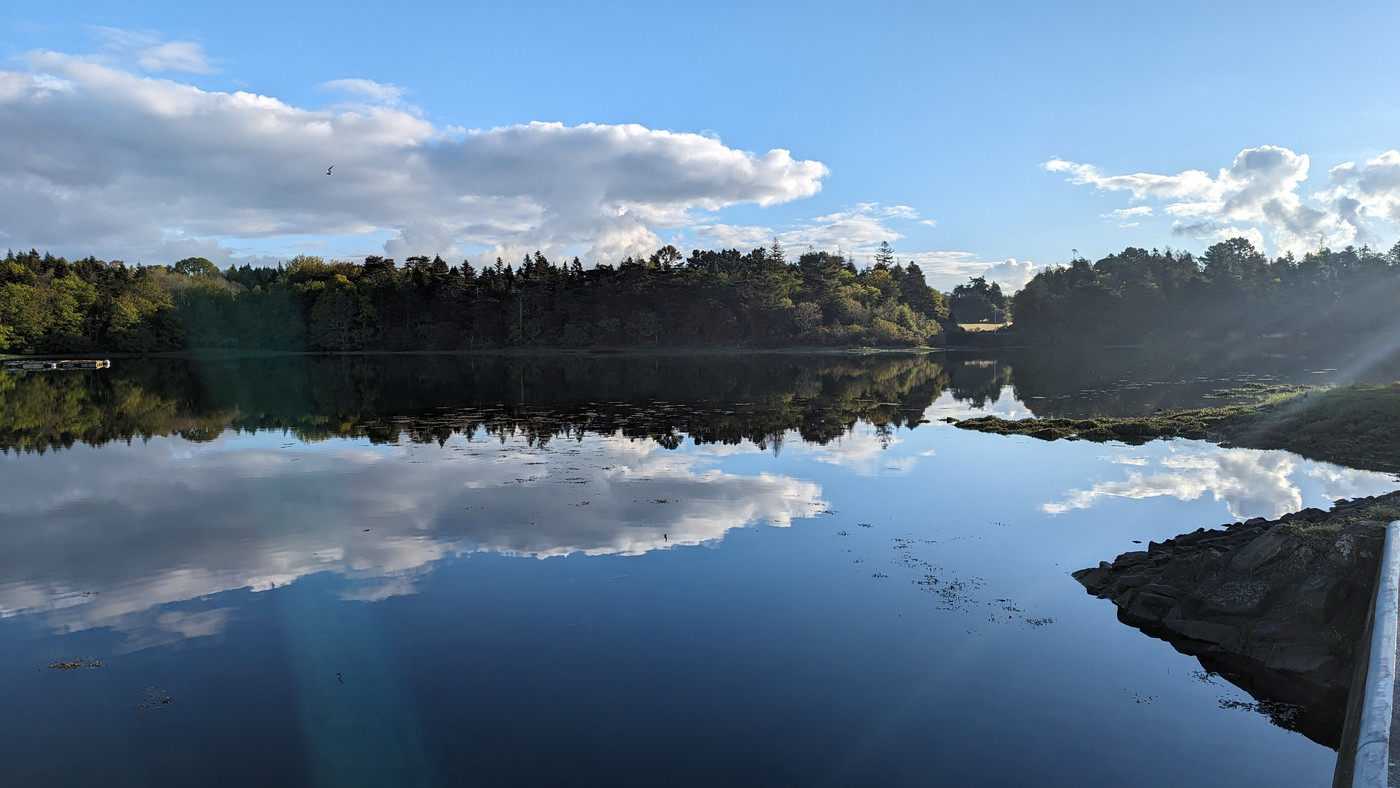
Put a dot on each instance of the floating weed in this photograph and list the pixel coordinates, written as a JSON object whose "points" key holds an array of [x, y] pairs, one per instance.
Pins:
{"points": [[155, 699], [82, 663], [1279, 713]]}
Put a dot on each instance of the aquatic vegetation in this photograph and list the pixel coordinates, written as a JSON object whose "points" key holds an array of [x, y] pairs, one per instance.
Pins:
{"points": [[81, 663]]}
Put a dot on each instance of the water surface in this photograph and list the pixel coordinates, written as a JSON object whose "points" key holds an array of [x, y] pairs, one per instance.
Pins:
{"points": [[446, 570]]}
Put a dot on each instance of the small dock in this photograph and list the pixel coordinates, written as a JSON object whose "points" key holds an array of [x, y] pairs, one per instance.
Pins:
{"points": [[53, 365]]}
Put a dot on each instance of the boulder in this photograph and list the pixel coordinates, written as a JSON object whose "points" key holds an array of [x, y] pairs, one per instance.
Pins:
{"points": [[1277, 606]]}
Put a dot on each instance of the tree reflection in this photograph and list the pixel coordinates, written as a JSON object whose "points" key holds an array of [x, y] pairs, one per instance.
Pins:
{"points": [[430, 398]]}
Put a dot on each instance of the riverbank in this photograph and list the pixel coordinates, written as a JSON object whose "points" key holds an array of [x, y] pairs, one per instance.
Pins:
{"points": [[1357, 425]]}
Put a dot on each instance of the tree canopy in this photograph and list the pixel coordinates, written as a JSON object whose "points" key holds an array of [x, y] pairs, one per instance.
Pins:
{"points": [[1230, 290], [723, 298]]}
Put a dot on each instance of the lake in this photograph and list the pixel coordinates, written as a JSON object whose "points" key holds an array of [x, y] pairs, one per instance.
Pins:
{"points": [[623, 570]]}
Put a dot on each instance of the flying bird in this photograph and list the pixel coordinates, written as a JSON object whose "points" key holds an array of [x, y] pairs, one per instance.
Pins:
{"points": [[328, 169]]}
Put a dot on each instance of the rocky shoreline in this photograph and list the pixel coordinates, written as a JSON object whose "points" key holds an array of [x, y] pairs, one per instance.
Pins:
{"points": [[1278, 607]]}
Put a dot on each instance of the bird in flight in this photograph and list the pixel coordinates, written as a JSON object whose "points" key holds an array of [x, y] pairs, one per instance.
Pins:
{"points": [[328, 169]]}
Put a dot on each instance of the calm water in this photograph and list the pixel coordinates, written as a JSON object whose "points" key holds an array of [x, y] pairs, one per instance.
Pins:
{"points": [[623, 571]]}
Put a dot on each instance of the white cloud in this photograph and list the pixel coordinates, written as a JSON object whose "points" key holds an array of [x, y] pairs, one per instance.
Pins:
{"points": [[150, 52], [1252, 483], [175, 56], [729, 236], [856, 231], [1011, 274], [377, 93], [946, 270], [1370, 191], [98, 159], [1258, 197], [187, 521], [1127, 217], [865, 452]]}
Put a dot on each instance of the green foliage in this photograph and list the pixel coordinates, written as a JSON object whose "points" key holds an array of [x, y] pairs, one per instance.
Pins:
{"points": [[1231, 291], [979, 302], [710, 299]]}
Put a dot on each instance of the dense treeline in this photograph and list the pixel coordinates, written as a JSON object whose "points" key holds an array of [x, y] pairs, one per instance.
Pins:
{"points": [[1230, 291], [711, 299]]}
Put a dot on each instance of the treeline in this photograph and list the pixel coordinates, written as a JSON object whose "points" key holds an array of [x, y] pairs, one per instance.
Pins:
{"points": [[1231, 291], [710, 299]]}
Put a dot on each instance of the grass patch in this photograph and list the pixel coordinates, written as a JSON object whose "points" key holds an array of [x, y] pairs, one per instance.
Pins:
{"points": [[1357, 426]]}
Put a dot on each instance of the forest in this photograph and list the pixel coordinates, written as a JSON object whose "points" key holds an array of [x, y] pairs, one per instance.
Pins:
{"points": [[711, 299], [1230, 291]]}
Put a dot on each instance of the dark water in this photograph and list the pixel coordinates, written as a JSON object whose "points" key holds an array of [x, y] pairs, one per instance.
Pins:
{"points": [[611, 570]]}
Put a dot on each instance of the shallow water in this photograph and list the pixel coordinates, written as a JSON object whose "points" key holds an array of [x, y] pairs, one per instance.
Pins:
{"points": [[622, 571]]}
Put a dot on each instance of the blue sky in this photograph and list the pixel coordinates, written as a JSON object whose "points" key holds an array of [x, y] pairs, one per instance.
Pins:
{"points": [[977, 138]]}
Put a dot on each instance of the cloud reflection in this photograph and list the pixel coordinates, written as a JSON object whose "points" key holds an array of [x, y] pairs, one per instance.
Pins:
{"points": [[114, 536], [1250, 482]]}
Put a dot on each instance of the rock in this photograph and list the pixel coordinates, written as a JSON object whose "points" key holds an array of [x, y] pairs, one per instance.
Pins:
{"points": [[1096, 580], [1130, 582], [1319, 597], [1161, 589], [1300, 659], [1150, 607], [1130, 559], [1261, 551], [1278, 610], [1284, 630], [1237, 598], [1204, 631]]}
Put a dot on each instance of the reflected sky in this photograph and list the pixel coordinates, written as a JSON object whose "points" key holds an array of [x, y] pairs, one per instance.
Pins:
{"points": [[1251, 483], [109, 536], [106, 536]]}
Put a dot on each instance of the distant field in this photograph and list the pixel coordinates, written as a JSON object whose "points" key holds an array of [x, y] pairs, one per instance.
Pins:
{"points": [[982, 326]]}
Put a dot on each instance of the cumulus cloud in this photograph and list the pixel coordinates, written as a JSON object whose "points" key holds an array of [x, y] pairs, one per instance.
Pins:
{"points": [[1359, 193], [1258, 197], [865, 452], [857, 230], [98, 158], [729, 236], [183, 522], [1011, 274], [1251, 483], [946, 270]]}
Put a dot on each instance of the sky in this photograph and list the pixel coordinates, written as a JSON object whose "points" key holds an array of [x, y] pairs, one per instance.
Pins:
{"points": [[978, 139]]}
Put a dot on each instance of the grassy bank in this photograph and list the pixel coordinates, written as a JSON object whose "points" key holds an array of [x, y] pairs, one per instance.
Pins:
{"points": [[1357, 426]]}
